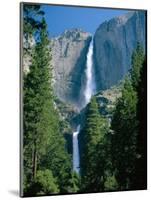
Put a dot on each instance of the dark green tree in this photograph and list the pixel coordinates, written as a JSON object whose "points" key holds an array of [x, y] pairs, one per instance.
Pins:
{"points": [[129, 127], [93, 157], [58, 160], [137, 63], [44, 144], [38, 105], [124, 124], [74, 183], [32, 19], [140, 175], [44, 184]]}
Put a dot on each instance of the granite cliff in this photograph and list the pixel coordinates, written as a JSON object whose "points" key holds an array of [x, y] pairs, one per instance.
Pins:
{"points": [[114, 42], [69, 52]]}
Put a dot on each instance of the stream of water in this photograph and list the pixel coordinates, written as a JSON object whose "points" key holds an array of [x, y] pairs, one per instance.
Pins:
{"points": [[90, 82], [88, 92], [76, 159]]}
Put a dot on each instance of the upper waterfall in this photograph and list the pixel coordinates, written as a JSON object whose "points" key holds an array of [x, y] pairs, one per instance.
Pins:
{"points": [[90, 82], [88, 92]]}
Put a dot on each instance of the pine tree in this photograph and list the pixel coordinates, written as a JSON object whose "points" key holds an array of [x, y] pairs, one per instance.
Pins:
{"points": [[38, 106], [44, 184], [32, 15], [93, 158], [129, 138], [58, 160], [44, 144], [124, 124], [137, 62], [140, 174], [139, 81]]}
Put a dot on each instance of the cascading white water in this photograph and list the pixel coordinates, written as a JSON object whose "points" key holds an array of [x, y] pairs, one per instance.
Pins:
{"points": [[90, 83], [88, 92], [76, 162]]}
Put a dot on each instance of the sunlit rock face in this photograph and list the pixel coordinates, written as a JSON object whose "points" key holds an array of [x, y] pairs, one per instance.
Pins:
{"points": [[114, 42], [68, 60]]}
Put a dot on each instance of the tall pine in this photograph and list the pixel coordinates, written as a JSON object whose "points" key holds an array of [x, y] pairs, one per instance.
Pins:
{"points": [[124, 124], [93, 157], [38, 104], [136, 65], [44, 145], [129, 138]]}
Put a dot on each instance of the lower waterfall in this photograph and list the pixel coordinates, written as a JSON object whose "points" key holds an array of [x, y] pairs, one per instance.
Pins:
{"points": [[76, 159], [88, 92]]}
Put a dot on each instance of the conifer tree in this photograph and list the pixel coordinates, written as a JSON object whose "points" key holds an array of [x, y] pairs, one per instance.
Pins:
{"points": [[136, 64], [38, 105], [139, 81], [93, 158], [140, 174], [44, 144], [124, 124], [32, 15], [129, 138]]}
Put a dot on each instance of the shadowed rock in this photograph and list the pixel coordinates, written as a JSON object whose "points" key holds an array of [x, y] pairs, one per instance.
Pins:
{"points": [[114, 42]]}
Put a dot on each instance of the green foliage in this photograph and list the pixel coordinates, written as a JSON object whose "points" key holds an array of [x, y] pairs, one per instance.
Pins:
{"points": [[38, 106], [94, 155], [140, 174], [32, 19], [44, 183], [110, 183], [124, 124], [74, 183], [115, 159], [58, 161], [44, 144], [128, 133], [137, 62]]}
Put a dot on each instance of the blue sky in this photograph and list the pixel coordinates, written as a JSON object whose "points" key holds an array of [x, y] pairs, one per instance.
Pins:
{"points": [[60, 18]]}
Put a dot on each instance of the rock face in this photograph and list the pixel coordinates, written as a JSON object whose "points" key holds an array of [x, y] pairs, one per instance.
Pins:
{"points": [[114, 42], [68, 60]]}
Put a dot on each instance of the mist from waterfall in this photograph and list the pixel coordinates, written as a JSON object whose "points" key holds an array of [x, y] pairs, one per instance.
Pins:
{"points": [[88, 92]]}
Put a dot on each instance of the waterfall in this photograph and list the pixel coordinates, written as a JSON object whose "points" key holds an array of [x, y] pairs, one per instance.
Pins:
{"points": [[88, 92], [76, 160], [90, 83]]}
